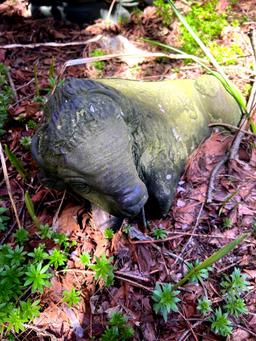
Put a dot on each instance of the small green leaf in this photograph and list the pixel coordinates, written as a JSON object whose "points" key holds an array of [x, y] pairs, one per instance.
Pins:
{"points": [[212, 259], [31, 210], [17, 164]]}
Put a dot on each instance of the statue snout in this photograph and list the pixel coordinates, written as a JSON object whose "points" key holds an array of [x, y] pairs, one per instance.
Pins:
{"points": [[133, 199]]}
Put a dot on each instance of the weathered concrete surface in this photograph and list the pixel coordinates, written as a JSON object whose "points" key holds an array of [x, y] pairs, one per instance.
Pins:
{"points": [[117, 142]]}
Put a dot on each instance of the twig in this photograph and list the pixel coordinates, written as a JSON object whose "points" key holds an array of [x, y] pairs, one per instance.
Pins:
{"points": [[127, 274], [135, 284], [9, 190], [32, 46], [41, 332], [230, 126], [193, 231], [213, 176], [184, 336], [15, 95], [54, 221], [250, 107], [245, 123]]}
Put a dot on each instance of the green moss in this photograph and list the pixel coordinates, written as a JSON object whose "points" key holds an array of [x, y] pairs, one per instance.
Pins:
{"points": [[226, 55], [206, 22]]}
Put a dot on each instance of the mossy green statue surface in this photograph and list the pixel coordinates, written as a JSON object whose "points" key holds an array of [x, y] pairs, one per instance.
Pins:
{"points": [[122, 144]]}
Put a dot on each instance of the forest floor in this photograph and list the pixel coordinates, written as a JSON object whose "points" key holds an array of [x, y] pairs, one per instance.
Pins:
{"points": [[195, 229]]}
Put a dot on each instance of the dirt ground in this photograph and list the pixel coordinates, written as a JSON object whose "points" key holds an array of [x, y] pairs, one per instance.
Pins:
{"points": [[195, 228]]}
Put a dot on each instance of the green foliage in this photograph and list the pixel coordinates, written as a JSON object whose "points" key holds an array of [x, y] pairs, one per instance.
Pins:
{"points": [[103, 269], [38, 277], [25, 141], [5, 97], [206, 22], [117, 329], [57, 258], [164, 10], [220, 324], [61, 239], [39, 254], [71, 297], [21, 235], [100, 64], [126, 228], [3, 219], [235, 306], [159, 233], [227, 223], [226, 55], [204, 306], [166, 298], [108, 233], [200, 274], [85, 258], [235, 284], [45, 231], [31, 124]]}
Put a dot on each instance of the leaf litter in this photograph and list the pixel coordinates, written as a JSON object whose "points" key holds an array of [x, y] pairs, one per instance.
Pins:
{"points": [[138, 265]]}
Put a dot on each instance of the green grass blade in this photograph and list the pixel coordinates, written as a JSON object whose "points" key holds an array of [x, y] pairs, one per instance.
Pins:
{"points": [[212, 259], [31, 210], [17, 164]]}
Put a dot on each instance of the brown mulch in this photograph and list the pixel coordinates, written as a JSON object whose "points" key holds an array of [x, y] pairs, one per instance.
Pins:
{"points": [[195, 229]]}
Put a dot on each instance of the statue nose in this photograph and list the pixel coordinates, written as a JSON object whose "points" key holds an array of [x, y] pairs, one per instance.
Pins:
{"points": [[133, 199]]}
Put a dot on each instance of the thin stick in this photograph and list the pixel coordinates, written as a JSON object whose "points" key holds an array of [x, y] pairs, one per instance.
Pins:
{"points": [[15, 95], [230, 126], [33, 46], [135, 284], [6, 178]]}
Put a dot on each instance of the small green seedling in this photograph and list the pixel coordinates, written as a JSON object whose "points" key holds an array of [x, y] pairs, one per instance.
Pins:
{"points": [[31, 124], [45, 231], [39, 254], [108, 233], [103, 269], [3, 219], [25, 141], [38, 277], [159, 233], [100, 64], [118, 329], [199, 275], [227, 223], [61, 239], [85, 258], [16, 255], [21, 235], [165, 298], [235, 306], [57, 258], [126, 228], [204, 306], [235, 284], [71, 297], [220, 324]]}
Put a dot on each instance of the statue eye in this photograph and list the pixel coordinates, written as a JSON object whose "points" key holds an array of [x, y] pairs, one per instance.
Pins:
{"points": [[79, 186]]}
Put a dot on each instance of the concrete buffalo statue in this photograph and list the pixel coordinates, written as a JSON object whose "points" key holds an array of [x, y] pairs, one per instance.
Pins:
{"points": [[122, 144]]}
